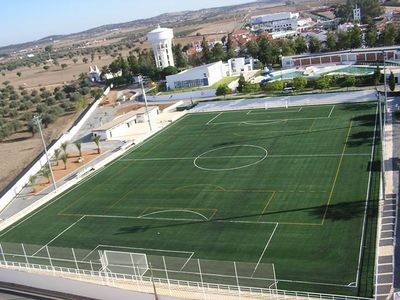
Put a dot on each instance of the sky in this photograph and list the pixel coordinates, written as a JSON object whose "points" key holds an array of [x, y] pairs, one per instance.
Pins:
{"points": [[28, 20]]}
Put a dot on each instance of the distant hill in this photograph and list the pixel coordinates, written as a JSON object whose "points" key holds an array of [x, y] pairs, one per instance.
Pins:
{"points": [[166, 18]]}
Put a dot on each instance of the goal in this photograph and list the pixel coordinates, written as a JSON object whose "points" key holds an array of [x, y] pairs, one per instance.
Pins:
{"points": [[123, 262]]}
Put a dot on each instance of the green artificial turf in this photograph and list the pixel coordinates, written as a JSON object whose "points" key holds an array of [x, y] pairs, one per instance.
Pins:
{"points": [[280, 186]]}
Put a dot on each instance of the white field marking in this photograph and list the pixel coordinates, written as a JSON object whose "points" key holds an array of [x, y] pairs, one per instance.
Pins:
{"points": [[58, 235], [214, 118], [316, 283], [265, 248], [90, 176], [187, 261], [280, 119], [193, 157], [136, 248], [203, 155], [245, 156], [251, 112], [149, 218], [259, 123], [174, 210], [367, 198], [333, 107]]}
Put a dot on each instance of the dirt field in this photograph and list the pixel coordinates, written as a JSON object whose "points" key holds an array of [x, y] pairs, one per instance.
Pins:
{"points": [[60, 172], [21, 148]]}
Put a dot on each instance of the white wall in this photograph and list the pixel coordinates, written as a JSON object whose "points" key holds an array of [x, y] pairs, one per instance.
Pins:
{"points": [[23, 181], [214, 72], [183, 96]]}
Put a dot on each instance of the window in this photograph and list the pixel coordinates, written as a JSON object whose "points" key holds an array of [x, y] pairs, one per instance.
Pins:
{"points": [[205, 75]]}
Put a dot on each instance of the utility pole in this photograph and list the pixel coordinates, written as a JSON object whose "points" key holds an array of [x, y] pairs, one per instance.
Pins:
{"points": [[145, 102], [38, 121]]}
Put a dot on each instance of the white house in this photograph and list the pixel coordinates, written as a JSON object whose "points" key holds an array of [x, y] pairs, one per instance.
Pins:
{"points": [[119, 127], [236, 66]]}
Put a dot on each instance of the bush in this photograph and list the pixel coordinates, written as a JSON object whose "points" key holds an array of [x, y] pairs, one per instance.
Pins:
{"points": [[223, 90], [273, 86]]}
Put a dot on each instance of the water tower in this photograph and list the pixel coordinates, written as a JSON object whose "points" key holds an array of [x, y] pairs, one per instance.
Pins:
{"points": [[161, 41]]}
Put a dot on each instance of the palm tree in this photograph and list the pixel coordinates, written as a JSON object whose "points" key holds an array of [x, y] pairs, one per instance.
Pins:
{"points": [[78, 145], [64, 147], [32, 182], [96, 140], [64, 158], [57, 154], [45, 172]]}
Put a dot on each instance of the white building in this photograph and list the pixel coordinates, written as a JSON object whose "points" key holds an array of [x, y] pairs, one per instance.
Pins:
{"points": [[120, 126], [239, 65], [207, 75], [282, 21], [201, 76], [161, 42]]}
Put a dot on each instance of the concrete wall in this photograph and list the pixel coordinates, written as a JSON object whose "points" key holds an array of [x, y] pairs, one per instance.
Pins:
{"points": [[183, 96], [24, 179], [73, 287]]}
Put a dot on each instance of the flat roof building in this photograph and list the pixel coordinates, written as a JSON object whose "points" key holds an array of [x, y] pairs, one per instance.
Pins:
{"points": [[117, 128], [282, 21], [343, 57]]}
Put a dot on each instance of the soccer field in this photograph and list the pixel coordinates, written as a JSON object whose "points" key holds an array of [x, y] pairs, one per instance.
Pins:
{"points": [[295, 187]]}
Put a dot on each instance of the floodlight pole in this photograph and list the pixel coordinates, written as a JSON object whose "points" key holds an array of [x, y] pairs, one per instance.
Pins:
{"points": [[38, 121], [381, 129], [145, 102], [385, 86]]}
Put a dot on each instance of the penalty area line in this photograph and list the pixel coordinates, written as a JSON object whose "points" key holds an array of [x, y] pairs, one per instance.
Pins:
{"points": [[208, 123], [265, 248], [58, 235]]}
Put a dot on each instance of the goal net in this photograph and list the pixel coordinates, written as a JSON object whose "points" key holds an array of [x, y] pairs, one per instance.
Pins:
{"points": [[124, 262]]}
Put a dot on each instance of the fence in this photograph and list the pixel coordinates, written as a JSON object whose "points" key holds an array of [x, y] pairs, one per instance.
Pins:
{"points": [[166, 275]]}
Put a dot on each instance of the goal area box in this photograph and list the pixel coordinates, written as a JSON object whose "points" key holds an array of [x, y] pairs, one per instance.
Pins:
{"points": [[124, 262]]}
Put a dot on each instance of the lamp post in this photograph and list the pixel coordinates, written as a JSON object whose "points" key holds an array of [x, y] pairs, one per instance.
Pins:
{"points": [[38, 121], [385, 86], [145, 102]]}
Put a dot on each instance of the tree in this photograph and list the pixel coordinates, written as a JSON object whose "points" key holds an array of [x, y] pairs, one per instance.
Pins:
{"points": [[45, 172], [300, 45], [57, 154], [389, 35], [32, 182], [223, 90], [355, 37], [299, 83], [85, 60], [331, 42], [349, 81], [218, 52], [75, 60], [344, 41], [274, 86], [314, 45], [323, 83], [32, 127], [241, 83], [252, 49], [179, 56], [19, 74], [170, 70], [377, 76], [392, 81], [46, 68], [64, 148], [207, 55], [92, 57], [96, 140], [371, 36], [64, 158], [78, 145], [63, 66]]}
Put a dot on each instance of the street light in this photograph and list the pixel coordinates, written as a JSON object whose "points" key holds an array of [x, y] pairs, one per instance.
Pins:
{"points": [[385, 86], [145, 102], [38, 121]]}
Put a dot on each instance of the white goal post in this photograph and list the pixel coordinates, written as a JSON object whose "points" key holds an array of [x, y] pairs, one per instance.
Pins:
{"points": [[123, 262]]}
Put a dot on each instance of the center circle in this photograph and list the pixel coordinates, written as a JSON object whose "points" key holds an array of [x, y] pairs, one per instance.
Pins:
{"points": [[216, 154]]}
